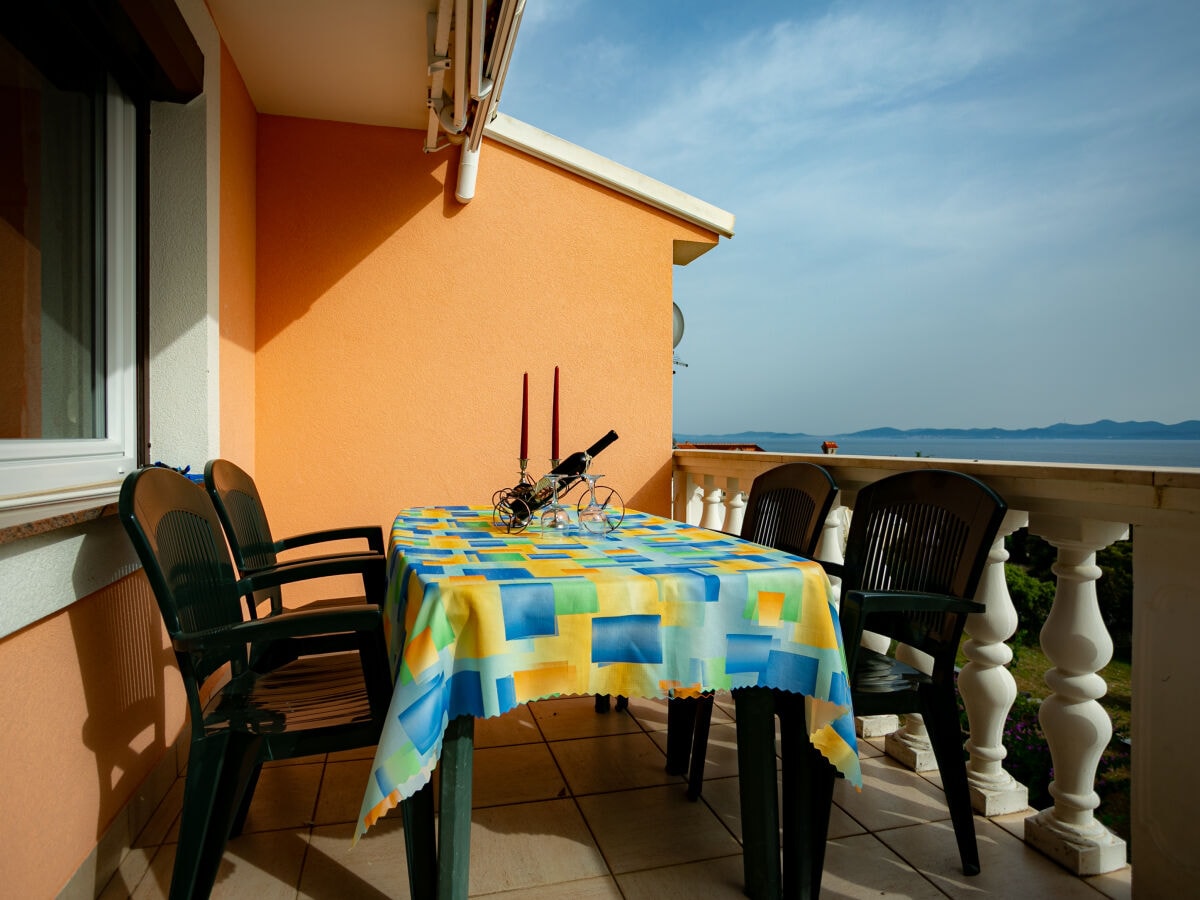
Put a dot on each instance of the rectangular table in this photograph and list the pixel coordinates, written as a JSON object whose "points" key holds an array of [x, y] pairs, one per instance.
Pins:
{"points": [[480, 621]]}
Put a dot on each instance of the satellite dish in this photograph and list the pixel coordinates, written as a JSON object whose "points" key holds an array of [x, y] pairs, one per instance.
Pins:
{"points": [[677, 326]]}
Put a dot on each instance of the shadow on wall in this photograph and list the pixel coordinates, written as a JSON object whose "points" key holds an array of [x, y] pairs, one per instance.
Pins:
{"points": [[328, 195], [123, 655]]}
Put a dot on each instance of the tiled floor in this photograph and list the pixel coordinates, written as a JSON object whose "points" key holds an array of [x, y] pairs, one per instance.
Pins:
{"points": [[573, 804]]}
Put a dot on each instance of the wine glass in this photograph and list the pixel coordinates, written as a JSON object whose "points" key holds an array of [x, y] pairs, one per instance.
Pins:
{"points": [[555, 517], [601, 509]]}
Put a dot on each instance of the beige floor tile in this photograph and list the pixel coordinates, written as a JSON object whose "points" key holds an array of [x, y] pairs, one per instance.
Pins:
{"points": [[130, 872], [342, 791], [156, 883], [891, 796], [650, 714], [586, 889], [712, 879], [720, 756], [867, 750], [1118, 885], [357, 753], [164, 824], [374, 869], [1009, 867], [529, 845], [519, 774], [264, 866], [1014, 823], [566, 718], [614, 763], [653, 827], [286, 797], [722, 797], [517, 726], [860, 866]]}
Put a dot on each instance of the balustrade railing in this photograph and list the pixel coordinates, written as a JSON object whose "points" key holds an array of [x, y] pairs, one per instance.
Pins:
{"points": [[1078, 510]]}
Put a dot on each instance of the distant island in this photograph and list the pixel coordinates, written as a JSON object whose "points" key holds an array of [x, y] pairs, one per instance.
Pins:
{"points": [[1105, 429]]}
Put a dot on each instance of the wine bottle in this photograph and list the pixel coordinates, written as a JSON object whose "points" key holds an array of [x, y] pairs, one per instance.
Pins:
{"points": [[569, 471]]}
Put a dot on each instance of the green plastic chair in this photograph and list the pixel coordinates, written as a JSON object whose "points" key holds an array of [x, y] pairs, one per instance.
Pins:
{"points": [[917, 547], [786, 510], [308, 705], [255, 549]]}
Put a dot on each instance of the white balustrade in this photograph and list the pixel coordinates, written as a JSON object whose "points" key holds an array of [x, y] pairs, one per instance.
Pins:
{"points": [[1077, 728], [1079, 510], [987, 687]]}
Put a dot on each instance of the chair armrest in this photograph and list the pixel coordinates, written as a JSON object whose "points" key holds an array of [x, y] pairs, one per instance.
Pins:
{"points": [[371, 567], [910, 601], [373, 535], [289, 624], [857, 606]]}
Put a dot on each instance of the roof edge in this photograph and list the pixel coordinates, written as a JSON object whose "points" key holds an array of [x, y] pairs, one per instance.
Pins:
{"points": [[594, 167]]}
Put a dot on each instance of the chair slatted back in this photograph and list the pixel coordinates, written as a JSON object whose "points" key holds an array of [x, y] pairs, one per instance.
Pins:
{"points": [[926, 531], [178, 539], [788, 506], [243, 515]]}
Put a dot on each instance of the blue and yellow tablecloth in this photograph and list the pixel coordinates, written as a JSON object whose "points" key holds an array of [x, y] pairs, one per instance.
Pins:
{"points": [[481, 620]]}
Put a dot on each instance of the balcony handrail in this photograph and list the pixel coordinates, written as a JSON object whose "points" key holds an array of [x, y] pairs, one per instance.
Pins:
{"points": [[1133, 495]]}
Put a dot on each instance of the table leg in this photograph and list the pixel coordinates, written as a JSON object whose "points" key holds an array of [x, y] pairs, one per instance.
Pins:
{"points": [[454, 827], [755, 714], [420, 843], [807, 799]]}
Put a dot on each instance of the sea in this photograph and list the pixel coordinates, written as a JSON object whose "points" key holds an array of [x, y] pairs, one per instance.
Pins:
{"points": [[1142, 452]]}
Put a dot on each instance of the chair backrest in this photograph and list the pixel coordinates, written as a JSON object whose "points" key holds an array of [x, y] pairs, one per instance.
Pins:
{"points": [[179, 540], [788, 506], [241, 512], [924, 530]]}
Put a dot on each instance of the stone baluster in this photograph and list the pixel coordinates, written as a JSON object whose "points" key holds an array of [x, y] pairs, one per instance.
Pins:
{"points": [[693, 504], [714, 506], [736, 508], [1076, 727], [987, 687]]}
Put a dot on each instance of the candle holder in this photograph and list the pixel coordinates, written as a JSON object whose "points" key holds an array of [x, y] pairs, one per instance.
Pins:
{"points": [[513, 508]]}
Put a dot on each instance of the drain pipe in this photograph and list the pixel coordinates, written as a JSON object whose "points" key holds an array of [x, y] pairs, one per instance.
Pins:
{"points": [[498, 59]]}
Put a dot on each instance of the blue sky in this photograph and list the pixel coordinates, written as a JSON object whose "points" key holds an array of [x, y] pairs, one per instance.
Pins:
{"points": [[949, 214]]}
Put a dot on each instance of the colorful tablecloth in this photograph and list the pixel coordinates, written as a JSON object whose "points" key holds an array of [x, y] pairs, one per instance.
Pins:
{"points": [[481, 620]]}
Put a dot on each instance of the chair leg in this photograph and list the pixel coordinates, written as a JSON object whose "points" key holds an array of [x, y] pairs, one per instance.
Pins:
{"points": [[239, 819], [755, 714], [940, 711], [681, 725], [454, 829], [420, 845], [704, 705], [807, 800], [219, 769]]}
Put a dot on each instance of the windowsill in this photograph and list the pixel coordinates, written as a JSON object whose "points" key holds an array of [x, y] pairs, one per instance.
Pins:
{"points": [[10, 533]]}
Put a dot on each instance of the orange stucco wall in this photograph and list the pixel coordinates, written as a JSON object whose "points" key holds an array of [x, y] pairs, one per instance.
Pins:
{"points": [[394, 324], [91, 700], [237, 247]]}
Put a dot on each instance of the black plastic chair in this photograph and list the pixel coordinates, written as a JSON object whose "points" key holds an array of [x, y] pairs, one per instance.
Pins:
{"points": [[310, 705], [786, 510], [917, 547], [255, 549], [244, 520]]}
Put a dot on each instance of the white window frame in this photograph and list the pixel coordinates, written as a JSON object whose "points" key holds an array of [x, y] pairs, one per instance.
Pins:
{"points": [[40, 479]]}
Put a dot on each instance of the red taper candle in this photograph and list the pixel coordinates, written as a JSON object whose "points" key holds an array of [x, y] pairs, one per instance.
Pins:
{"points": [[554, 421], [525, 417]]}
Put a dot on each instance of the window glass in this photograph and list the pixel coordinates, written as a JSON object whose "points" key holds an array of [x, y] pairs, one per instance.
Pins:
{"points": [[51, 289], [67, 398]]}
